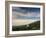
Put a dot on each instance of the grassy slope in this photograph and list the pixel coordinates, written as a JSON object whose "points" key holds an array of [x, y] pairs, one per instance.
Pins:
{"points": [[32, 26]]}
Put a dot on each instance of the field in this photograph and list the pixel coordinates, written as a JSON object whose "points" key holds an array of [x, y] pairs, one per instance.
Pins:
{"points": [[31, 26]]}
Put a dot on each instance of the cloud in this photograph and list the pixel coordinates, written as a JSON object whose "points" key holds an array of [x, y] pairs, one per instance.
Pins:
{"points": [[27, 15], [17, 9], [21, 13], [25, 10]]}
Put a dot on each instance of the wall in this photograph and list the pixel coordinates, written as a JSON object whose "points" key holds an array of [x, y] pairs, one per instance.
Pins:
{"points": [[2, 19]]}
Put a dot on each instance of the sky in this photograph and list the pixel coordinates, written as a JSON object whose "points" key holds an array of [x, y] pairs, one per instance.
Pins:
{"points": [[25, 13]]}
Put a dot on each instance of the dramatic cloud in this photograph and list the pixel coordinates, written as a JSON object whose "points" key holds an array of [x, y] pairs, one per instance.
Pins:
{"points": [[26, 13]]}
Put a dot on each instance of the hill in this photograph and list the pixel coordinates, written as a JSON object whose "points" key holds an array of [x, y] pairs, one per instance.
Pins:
{"points": [[31, 26]]}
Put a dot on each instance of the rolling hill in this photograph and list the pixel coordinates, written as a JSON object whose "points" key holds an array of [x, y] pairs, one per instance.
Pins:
{"points": [[31, 26]]}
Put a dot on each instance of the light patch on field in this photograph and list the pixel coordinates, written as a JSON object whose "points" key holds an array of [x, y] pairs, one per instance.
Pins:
{"points": [[18, 22]]}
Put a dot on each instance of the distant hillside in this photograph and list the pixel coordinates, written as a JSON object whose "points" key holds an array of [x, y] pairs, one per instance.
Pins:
{"points": [[31, 26]]}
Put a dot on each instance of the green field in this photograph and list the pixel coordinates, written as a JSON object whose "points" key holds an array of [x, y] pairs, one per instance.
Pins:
{"points": [[32, 26]]}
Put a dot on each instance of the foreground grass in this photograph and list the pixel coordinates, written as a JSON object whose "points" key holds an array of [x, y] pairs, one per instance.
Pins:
{"points": [[32, 26]]}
